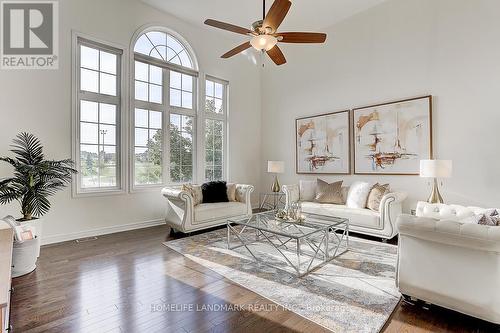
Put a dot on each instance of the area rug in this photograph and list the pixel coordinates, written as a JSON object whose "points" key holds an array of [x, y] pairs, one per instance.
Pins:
{"points": [[355, 292]]}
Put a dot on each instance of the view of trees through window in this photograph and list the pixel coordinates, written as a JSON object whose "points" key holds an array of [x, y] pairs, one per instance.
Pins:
{"points": [[181, 148], [148, 147], [214, 134], [166, 122], [149, 161]]}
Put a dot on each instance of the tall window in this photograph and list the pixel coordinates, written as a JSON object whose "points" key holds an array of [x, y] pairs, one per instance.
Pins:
{"points": [[215, 115], [164, 110], [98, 115]]}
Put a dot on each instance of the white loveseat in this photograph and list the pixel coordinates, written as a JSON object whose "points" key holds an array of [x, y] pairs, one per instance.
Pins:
{"points": [[362, 220], [450, 263], [183, 215]]}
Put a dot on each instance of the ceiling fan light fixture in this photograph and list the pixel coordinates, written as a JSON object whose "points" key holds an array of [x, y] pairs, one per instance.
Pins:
{"points": [[263, 42]]}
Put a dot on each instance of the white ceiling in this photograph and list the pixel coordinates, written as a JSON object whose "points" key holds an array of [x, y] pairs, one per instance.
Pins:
{"points": [[304, 15]]}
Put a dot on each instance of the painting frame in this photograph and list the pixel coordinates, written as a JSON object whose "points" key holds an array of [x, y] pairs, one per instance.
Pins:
{"points": [[348, 170], [429, 154]]}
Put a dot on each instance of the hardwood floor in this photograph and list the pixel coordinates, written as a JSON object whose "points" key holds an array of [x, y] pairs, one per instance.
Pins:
{"points": [[124, 283]]}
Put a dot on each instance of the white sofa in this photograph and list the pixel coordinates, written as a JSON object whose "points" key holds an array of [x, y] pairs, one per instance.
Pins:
{"points": [[450, 263], [184, 216], [365, 221]]}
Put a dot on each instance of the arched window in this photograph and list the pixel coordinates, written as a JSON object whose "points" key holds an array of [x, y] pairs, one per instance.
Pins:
{"points": [[163, 46], [164, 113]]}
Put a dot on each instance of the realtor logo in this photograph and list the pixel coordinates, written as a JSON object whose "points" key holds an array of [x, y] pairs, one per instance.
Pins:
{"points": [[29, 35]]}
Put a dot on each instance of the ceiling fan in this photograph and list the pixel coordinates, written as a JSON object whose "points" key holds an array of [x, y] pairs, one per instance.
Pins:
{"points": [[265, 35]]}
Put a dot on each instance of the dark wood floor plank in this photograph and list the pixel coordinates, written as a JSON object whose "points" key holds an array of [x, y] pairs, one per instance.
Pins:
{"points": [[112, 284]]}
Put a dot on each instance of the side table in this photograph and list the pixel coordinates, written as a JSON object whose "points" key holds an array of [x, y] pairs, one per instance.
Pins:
{"points": [[271, 200]]}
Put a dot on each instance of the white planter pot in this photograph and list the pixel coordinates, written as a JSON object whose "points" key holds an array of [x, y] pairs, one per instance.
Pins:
{"points": [[25, 254]]}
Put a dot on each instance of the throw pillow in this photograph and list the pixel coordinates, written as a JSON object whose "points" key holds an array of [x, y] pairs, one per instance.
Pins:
{"points": [[328, 193], [375, 196], [214, 192], [307, 189], [195, 192], [358, 194], [490, 217], [345, 190], [487, 220], [231, 191]]}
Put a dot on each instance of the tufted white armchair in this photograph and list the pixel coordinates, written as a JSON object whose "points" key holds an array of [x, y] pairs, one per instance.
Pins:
{"points": [[183, 215], [448, 262]]}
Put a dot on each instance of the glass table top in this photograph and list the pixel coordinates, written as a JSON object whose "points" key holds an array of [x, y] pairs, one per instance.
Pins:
{"points": [[267, 221]]}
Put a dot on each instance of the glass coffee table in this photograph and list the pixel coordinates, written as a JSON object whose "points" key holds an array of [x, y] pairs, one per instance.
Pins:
{"points": [[305, 246]]}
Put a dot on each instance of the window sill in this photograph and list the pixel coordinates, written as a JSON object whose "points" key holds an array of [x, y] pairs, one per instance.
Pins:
{"points": [[98, 193], [146, 188]]}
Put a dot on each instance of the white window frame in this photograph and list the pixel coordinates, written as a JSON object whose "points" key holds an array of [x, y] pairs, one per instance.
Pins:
{"points": [[166, 108], [121, 102], [224, 117]]}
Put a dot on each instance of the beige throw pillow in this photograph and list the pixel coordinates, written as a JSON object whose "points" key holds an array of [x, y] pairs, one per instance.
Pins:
{"points": [[231, 191], [329, 193], [375, 196], [195, 191]]}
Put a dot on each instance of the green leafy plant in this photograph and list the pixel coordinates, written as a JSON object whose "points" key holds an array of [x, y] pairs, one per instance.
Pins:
{"points": [[34, 178]]}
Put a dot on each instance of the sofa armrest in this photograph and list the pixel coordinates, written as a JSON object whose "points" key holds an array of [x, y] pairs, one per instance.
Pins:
{"points": [[390, 208], [243, 193], [180, 207], [455, 233], [174, 193], [393, 197], [292, 194]]}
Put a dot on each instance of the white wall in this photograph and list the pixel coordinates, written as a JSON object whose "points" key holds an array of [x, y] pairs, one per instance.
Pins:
{"points": [[399, 49], [40, 102]]}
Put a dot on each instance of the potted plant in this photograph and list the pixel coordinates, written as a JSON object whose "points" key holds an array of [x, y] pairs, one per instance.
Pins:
{"points": [[34, 180]]}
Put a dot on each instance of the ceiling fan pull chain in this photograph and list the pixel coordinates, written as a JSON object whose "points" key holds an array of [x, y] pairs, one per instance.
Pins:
{"points": [[262, 52]]}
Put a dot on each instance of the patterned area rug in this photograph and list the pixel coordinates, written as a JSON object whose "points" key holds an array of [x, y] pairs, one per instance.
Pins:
{"points": [[354, 292]]}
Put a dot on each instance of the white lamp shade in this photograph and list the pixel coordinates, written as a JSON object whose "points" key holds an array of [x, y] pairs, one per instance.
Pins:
{"points": [[263, 42], [275, 166], [435, 168]]}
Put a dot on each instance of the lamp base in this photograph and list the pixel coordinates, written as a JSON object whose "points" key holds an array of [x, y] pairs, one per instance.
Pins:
{"points": [[435, 196], [276, 185]]}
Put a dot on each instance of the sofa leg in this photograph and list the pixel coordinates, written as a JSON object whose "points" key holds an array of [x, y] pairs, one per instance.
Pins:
{"points": [[408, 299], [384, 240]]}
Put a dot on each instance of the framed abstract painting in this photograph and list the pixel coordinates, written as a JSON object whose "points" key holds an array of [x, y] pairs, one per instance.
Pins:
{"points": [[392, 138], [322, 144]]}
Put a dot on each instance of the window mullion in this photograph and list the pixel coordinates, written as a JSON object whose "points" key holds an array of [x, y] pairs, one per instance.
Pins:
{"points": [[166, 126]]}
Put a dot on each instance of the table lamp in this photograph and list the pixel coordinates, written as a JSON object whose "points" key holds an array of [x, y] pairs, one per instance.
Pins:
{"points": [[275, 167], [435, 169]]}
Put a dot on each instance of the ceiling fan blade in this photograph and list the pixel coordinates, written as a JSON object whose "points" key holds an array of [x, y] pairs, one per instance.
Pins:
{"points": [[236, 50], [276, 14], [301, 37], [276, 55], [228, 27]]}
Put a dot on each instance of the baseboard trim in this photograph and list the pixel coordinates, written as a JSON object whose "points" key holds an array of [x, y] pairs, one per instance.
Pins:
{"points": [[99, 232]]}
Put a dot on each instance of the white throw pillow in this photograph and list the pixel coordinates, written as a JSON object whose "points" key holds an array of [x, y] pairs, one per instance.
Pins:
{"points": [[358, 194], [307, 190]]}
